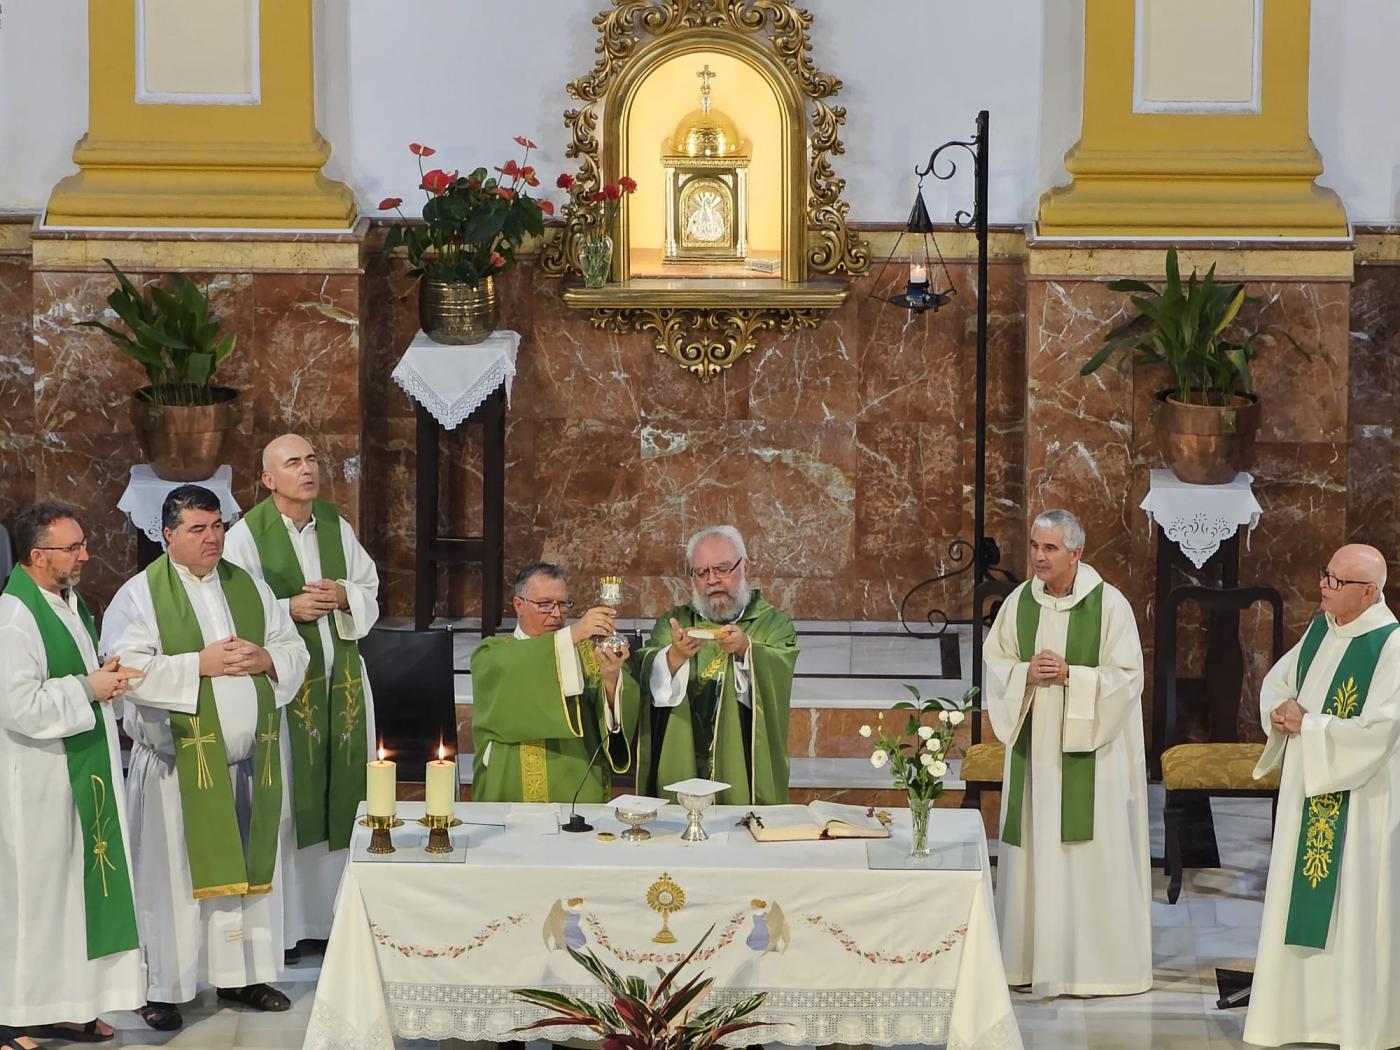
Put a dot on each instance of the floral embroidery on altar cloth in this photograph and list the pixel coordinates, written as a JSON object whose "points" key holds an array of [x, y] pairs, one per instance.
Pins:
{"points": [[451, 951], [879, 955], [600, 936]]}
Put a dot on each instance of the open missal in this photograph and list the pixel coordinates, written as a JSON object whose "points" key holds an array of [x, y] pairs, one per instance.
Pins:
{"points": [[817, 820]]}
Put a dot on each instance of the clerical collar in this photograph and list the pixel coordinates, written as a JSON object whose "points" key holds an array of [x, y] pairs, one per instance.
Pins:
{"points": [[1377, 615], [310, 523], [189, 574], [1086, 578]]}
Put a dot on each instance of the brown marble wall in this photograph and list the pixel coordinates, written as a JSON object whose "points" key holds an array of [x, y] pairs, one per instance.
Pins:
{"points": [[1373, 415], [17, 431], [1089, 443], [297, 362], [843, 453]]}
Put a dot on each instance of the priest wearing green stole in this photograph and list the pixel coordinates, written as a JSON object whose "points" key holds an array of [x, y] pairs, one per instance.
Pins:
{"points": [[552, 711], [205, 785], [300, 546], [719, 672], [1329, 958], [67, 918], [1064, 694]]}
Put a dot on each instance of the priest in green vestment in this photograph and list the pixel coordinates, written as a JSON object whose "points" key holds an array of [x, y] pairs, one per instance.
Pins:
{"points": [[552, 711], [719, 673]]}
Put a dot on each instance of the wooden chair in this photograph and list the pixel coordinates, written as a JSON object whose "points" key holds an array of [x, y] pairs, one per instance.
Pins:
{"points": [[1222, 767], [415, 705]]}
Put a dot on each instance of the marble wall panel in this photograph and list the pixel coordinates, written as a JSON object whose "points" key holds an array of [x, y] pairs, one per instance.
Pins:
{"points": [[16, 347], [1373, 416]]}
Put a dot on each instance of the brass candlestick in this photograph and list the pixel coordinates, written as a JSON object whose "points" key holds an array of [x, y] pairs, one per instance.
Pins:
{"points": [[438, 840], [379, 840]]}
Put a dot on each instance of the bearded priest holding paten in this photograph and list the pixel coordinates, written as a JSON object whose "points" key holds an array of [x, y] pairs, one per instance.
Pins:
{"points": [[1328, 956], [221, 658], [1064, 694], [719, 672]]}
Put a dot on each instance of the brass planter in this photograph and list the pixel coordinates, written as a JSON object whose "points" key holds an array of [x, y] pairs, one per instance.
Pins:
{"points": [[455, 313], [1207, 444], [185, 442]]}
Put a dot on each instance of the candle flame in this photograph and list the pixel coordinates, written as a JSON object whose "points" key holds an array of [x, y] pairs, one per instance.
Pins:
{"points": [[381, 753], [442, 753]]}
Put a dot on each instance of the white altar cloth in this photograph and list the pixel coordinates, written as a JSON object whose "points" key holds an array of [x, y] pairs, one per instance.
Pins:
{"points": [[452, 382], [145, 493], [1199, 518], [847, 954]]}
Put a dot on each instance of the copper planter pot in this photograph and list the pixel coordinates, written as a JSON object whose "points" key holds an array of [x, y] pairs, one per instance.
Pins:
{"points": [[186, 442], [1207, 444], [455, 313]]}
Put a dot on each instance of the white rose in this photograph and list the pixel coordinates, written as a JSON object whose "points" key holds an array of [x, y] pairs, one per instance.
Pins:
{"points": [[944, 716], [939, 768], [864, 730], [925, 732], [955, 718], [934, 746], [879, 758], [926, 759]]}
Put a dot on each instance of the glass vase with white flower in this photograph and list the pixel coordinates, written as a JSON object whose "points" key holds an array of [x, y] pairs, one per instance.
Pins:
{"points": [[918, 755]]}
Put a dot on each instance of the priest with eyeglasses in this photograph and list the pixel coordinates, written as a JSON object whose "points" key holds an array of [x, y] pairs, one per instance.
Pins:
{"points": [[719, 672], [1328, 960], [553, 711]]}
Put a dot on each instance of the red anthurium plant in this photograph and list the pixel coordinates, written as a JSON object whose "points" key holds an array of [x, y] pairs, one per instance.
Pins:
{"points": [[472, 224], [600, 207]]}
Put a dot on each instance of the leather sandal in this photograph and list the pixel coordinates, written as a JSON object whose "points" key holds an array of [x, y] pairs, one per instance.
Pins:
{"points": [[88, 1033], [10, 1038], [163, 1017], [258, 996]]}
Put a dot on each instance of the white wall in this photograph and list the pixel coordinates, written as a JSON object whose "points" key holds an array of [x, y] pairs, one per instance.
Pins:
{"points": [[916, 72]]}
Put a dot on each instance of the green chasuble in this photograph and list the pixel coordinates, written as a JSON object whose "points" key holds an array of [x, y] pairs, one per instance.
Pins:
{"points": [[327, 719], [1322, 830], [710, 734], [1077, 770], [540, 740], [110, 912], [223, 861]]}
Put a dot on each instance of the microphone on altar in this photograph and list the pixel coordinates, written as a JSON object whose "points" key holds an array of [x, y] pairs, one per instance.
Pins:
{"points": [[576, 821]]}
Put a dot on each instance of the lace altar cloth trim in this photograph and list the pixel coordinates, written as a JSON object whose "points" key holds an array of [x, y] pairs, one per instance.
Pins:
{"points": [[799, 1017], [452, 382], [330, 1031], [145, 493], [1199, 518]]}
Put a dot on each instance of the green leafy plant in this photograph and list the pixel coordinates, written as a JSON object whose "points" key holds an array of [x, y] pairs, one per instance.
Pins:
{"points": [[171, 335], [643, 1018], [918, 754], [1184, 327]]}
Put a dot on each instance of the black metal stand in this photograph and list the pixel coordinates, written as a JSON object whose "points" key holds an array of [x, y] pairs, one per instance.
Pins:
{"points": [[433, 550], [981, 555]]}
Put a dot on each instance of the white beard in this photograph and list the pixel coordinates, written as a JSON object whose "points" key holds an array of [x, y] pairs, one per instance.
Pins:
{"points": [[722, 610]]}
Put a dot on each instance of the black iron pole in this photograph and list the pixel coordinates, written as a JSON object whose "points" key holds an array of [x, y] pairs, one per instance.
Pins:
{"points": [[979, 484]]}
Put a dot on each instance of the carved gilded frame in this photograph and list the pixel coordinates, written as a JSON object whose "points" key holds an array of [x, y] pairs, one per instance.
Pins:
{"points": [[707, 324]]}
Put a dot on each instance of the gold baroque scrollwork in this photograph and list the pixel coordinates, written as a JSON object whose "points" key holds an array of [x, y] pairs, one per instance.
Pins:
{"points": [[704, 341], [828, 245]]}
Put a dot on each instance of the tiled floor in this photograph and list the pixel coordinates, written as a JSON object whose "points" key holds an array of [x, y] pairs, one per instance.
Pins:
{"points": [[1216, 923]]}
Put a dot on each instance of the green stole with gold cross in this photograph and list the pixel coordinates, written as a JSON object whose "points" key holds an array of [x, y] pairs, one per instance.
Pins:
{"points": [[1076, 770], [219, 864], [107, 900], [1322, 829], [327, 719]]}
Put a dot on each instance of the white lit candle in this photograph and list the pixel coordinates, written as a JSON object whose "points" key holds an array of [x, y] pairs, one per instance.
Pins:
{"points": [[918, 273], [441, 789], [381, 785]]}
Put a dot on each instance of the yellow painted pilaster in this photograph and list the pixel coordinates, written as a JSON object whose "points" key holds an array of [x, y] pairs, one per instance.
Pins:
{"points": [[1172, 145], [226, 141]]}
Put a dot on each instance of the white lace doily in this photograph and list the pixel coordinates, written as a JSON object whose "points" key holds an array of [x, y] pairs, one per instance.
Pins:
{"points": [[451, 382], [145, 493], [1199, 518]]}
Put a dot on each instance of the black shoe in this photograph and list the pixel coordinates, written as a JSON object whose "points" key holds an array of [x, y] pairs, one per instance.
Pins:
{"points": [[258, 996], [313, 946], [163, 1017], [291, 956]]}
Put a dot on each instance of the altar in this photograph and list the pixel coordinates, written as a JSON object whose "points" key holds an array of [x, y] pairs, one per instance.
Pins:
{"points": [[851, 944]]}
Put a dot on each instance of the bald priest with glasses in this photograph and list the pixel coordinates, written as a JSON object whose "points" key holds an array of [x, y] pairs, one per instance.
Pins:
{"points": [[553, 712], [719, 674]]}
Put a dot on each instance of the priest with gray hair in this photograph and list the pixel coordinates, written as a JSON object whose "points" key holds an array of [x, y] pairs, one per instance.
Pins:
{"points": [[719, 673], [1064, 694]]}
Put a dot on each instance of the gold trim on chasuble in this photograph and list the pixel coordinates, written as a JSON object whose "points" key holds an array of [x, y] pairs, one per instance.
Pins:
{"points": [[1323, 810], [534, 772]]}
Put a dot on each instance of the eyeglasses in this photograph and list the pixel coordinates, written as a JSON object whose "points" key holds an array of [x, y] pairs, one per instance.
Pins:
{"points": [[549, 607], [724, 568], [1336, 583], [72, 548]]}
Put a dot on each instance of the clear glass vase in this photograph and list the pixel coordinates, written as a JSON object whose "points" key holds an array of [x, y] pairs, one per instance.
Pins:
{"points": [[918, 813], [595, 259]]}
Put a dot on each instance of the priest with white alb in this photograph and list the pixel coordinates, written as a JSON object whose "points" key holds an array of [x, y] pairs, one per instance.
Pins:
{"points": [[300, 546], [1329, 958], [1064, 694], [205, 788], [67, 918]]}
